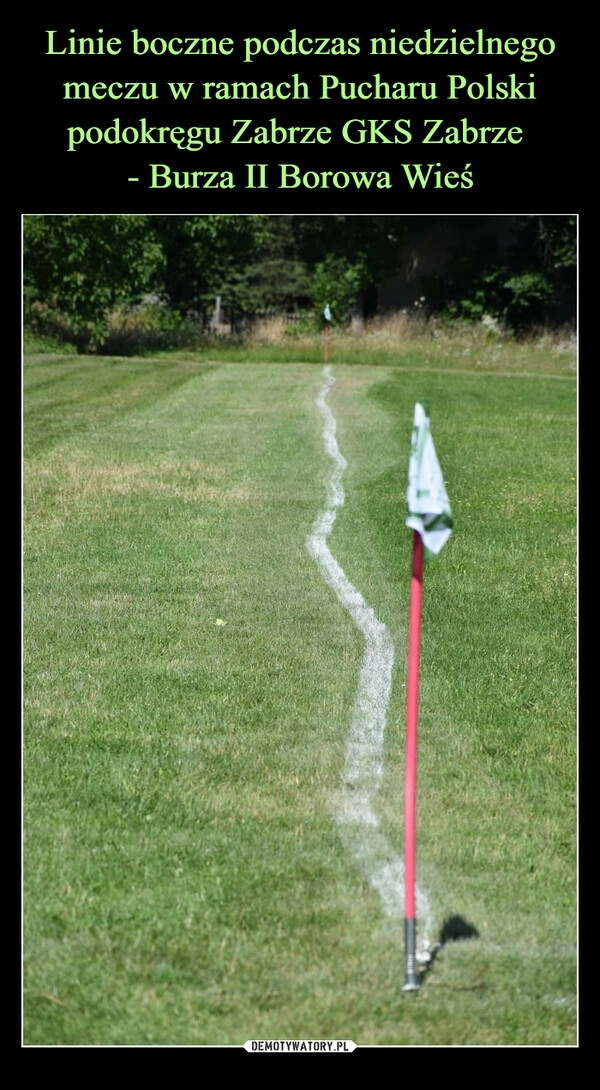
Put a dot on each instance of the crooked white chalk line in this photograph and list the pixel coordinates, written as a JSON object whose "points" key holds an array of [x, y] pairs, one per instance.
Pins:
{"points": [[352, 805]]}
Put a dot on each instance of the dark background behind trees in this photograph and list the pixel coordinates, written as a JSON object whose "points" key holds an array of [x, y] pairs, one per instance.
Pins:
{"points": [[78, 269]]}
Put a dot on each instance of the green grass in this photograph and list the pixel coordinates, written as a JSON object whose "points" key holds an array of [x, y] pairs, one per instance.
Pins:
{"points": [[417, 346], [184, 882], [396, 339]]}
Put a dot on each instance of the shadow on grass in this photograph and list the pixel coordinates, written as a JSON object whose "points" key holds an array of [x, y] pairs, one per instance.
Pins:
{"points": [[454, 929]]}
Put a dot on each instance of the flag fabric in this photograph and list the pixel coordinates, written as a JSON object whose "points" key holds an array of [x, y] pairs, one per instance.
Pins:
{"points": [[429, 510], [327, 313]]}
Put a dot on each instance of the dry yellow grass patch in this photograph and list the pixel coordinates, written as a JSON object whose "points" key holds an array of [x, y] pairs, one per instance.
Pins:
{"points": [[83, 477]]}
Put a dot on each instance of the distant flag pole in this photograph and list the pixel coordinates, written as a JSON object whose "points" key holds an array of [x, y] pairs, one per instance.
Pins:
{"points": [[327, 314], [430, 518]]}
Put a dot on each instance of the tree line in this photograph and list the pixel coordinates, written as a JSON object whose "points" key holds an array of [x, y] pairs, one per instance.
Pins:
{"points": [[79, 268]]}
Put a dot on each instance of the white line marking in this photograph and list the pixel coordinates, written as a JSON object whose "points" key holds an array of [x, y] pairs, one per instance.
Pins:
{"points": [[353, 804]]}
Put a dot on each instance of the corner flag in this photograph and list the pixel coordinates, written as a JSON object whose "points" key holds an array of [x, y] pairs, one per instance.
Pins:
{"points": [[430, 518]]}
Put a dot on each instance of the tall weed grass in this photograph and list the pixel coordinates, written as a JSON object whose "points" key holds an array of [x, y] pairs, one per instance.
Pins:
{"points": [[398, 338], [413, 339]]}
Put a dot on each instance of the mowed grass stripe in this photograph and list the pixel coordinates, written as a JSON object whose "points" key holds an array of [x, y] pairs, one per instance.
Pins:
{"points": [[497, 768], [498, 730], [147, 724], [184, 880]]}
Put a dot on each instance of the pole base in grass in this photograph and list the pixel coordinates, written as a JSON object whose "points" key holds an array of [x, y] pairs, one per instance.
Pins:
{"points": [[411, 979], [411, 985]]}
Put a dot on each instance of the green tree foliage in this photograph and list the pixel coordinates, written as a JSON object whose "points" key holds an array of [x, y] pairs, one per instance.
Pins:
{"points": [[82, 266], [78, 269], [336, 282], [374, 242], [203, 253], [275, 277], [318, 259], [371, 245], [531, 282]]}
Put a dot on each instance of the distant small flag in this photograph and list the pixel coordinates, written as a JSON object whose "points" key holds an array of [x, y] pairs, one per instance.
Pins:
{"points": [[429, 510], [327, 313]]}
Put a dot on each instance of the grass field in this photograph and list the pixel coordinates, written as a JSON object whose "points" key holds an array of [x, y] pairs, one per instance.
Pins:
{"points": [[184, 881]]}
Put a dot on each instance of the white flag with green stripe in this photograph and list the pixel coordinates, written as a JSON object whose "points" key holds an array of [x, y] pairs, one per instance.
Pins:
{"points": [[427, 501]]}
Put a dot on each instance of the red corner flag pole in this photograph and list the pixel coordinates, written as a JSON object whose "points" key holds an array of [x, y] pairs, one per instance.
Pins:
{"points": [[430, 516], [411, 980]]}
